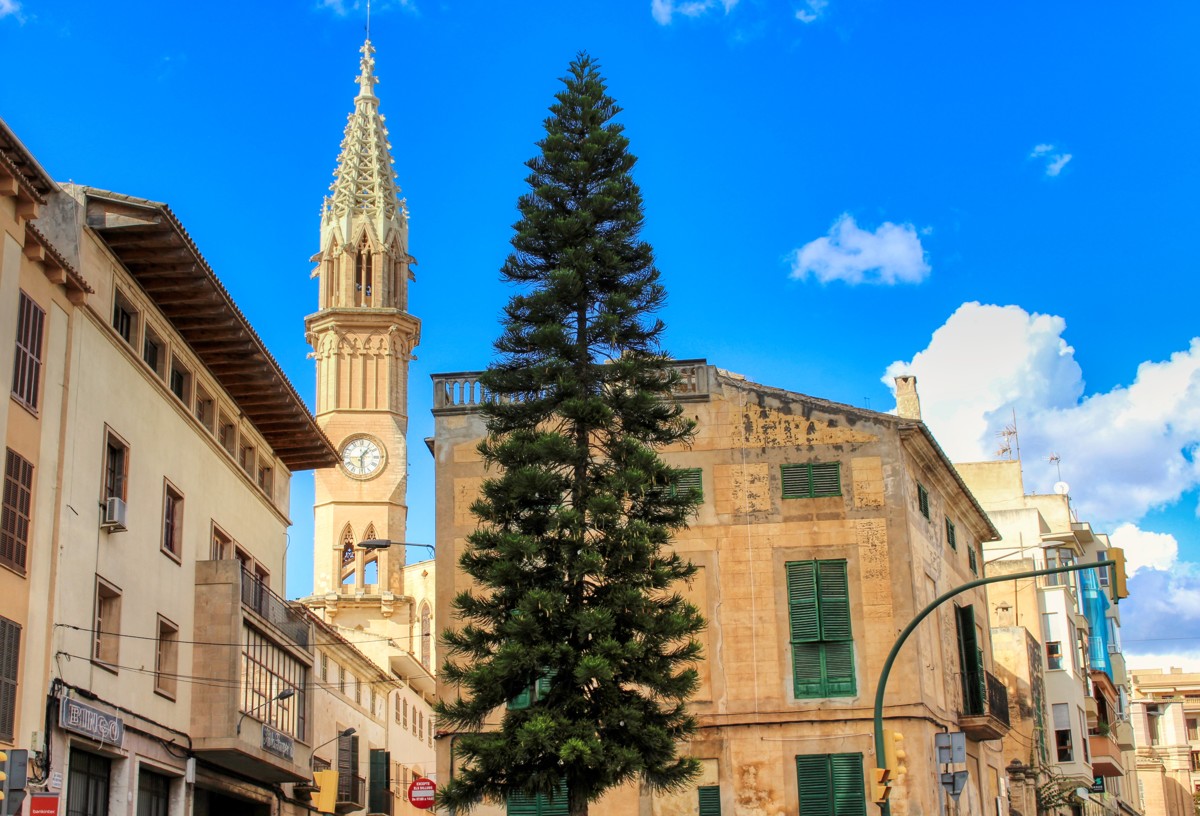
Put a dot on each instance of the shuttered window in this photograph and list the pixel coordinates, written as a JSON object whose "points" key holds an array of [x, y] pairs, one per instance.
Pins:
{"points": [[710, 800], [522, 804], [379, 786], [972, 560], [812, 481], [533, 692], [689, 481], [27, 363], [970, 662], [831, 785], [951, 533], [347, 767], [820, 632], [15, 511], [10, 655], [923, 500]]}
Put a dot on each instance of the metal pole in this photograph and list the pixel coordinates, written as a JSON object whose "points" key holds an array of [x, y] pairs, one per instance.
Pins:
{"points": [[885, 807]]}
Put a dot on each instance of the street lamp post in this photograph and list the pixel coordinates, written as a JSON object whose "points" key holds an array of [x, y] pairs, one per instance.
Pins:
{"points": [[337, 736], [283, 695], [885, 807]]}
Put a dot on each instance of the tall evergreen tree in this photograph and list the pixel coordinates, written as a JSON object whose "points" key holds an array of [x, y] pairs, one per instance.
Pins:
{"points": [[575, 633]]}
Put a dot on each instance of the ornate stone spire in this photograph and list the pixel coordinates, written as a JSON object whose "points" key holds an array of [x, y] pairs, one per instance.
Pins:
{"points": [[364, 186]]}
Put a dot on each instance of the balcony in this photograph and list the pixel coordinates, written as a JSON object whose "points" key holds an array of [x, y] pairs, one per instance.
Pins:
{"points": [[1106, 755], [250, 647], [351, 793], [1122, 732], [462, 392], [985, 707]]}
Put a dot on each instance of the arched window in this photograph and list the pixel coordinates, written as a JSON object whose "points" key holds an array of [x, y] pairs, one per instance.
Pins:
{"points": [[347, 546], [370, 533], [364, 274], [426, 635]]}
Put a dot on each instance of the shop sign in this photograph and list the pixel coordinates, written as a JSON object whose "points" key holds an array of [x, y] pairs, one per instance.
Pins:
{"points": [[278, 743], [91, 722]]}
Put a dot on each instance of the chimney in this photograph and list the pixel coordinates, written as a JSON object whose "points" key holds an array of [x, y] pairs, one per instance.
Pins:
{"points": [[908, 405]]}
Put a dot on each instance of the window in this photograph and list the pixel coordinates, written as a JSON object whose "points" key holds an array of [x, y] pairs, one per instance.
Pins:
{"points": [[404, 724], [172, 536], [1103, 574], [124, 318], [181, 381], [27, 365], [426, 635], [342, 679], [1062, 732], [10, 658], [357, 690], [222, 545], [16, 511], [265, 480], [324, 668], [116, 466], [246, 458], [153, 793], [227, 434], [266, 670], [687, 480], [923, 500], [951, 534], [1083, 729], [528, 696], [831, 785], [1054, 656], [153, 352], [420, 725], [166, 658], [822, 643], [972, 560], [710, 800], [374, 703], [1193, 733], [811, 481], [1154, 723], [397, 709], [379, 783], [87, 784], [522, 804], [970, 662], [206, 409], [107, 623]]}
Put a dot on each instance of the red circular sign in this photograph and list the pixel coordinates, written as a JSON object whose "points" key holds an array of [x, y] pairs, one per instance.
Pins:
{"points": [[420, 793]]}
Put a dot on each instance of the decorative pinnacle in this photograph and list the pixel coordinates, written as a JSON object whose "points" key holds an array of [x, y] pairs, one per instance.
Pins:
{"points": [[367, 80]]}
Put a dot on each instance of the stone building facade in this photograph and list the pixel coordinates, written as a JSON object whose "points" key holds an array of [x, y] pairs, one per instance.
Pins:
{"points": [[861, 507], [1166, 719]]}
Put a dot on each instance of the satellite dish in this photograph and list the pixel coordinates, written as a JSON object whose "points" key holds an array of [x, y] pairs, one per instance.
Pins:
{"points": [[1062, 488]]}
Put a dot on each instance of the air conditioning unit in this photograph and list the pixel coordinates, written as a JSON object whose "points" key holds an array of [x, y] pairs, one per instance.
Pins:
{"points": [[114, 515]]}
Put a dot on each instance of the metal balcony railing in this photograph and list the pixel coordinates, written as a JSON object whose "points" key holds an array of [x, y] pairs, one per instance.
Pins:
{"points": [[985, 694], [352, 791], [275, 610]]}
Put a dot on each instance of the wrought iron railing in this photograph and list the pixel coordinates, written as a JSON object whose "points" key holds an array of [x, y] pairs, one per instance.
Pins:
{"points": [[352, 790], [257, 596], [983, 693], [463, 391]]}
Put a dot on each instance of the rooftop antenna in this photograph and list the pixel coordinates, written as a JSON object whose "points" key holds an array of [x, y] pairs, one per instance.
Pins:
{"points": [[1012, 441], [1056, 460]]}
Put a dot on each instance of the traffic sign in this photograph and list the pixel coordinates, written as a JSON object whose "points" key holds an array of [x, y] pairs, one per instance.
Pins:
{"points": [[420, 793]]}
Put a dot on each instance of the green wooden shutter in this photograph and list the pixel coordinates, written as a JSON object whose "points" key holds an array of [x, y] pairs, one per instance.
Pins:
{"points": [[838, 648], [379, 791], [923, 500], [689, 481], [970, 661], [826, 479], [951, 534], [710, 800], [812, 783], [522, 804], [849, 792], [797, 481], [523, 699], [542, 686], [807, 674]]}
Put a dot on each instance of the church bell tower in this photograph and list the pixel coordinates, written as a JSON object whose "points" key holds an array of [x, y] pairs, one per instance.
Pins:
{"points": [[362, 338]]}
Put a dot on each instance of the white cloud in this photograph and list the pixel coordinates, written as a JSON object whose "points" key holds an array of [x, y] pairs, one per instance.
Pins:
{"points": [[1055, 161], [889, 255], [1144, 549], [812, 10], [11, 8], [343, 7], [664, 10], [1125, 451], [1188, 661]]}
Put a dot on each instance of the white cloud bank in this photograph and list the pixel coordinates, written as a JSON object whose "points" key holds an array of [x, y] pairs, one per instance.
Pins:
{"points": [[811, 11], [891, 254], [11, 8], [1055, 161], [1125, 452], [664, 11]]}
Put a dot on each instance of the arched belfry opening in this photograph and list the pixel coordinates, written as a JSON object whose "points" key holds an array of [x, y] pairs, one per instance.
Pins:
{"points": [[364, 273]]}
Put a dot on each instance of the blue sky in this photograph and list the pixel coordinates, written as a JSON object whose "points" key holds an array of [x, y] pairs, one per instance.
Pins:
{"points": [[999, 200]]}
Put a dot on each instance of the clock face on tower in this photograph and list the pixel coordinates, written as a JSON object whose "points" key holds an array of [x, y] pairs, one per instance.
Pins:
{"points": [[362, 456]]}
